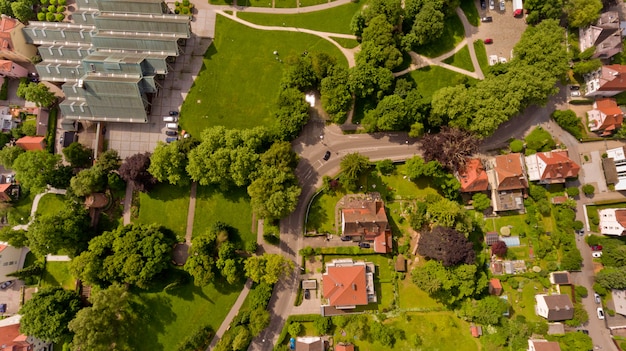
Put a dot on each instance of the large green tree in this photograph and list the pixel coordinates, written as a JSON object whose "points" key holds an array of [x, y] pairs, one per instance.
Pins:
{"points": [[378, 46], [33, 169], [88, 181], [38, 93], [352, 166], [449, 285], [107, 324], [487, 311], [168, 163], [268, 268], [78, 155], [66, 231], [581, 13], [47, 314], [132, 254]]}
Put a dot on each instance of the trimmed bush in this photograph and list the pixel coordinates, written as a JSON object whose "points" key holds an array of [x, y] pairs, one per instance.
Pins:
{"points": [[60, 17], [581, 102], [61, 2], [41, 16], [185, 11], [53, 2], [50, 17], [516, 145], [60, 9], [185, 2], [52, 8]]}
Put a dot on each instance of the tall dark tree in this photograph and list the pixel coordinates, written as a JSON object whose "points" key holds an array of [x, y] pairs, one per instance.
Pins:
{"points": [[47, 314], [499, 248], [135, 170], [78, 155], [451, 147], [447, 246]]}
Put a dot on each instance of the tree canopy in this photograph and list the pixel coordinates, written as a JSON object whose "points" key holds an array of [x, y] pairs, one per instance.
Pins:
{"points": [[268, 268], [449, 285], [33, 169], [65, 231], [581, 13], [38, 93], [451, 147], [47, 314], [447, 246], [78, 155], [352, 166], [168, 164], [135, 170]]}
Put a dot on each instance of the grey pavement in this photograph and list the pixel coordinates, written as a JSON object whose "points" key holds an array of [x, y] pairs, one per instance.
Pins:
{"points": [[33, 209], [231, 314], [128, 200], [57, 258]]}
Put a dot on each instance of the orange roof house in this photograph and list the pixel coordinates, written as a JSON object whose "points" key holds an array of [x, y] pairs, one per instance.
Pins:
{"points": [[12, 340], [608, 80], [344, 347], [5, 189], [347, 284], [509, 172], [473, 177], [13, 44], [364, 218], [31, 143], [606, 117], [551, 167], [495, 287]]}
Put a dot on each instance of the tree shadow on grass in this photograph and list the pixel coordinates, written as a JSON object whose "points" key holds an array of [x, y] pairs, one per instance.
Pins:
{"points": [[317, 216], [153, 313]]}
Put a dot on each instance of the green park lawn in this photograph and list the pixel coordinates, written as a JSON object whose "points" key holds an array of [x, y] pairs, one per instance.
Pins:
{"points": [[452, 35], [481, 55], [19, 213], [232, 208], [168, 317], [432, 78], [238, 84], [58, 274], [285, 3], [165, 205], [471, 12], [412, 297], [346, 43], [516, 222], [333, 20], [461, 59], [50, 204]]}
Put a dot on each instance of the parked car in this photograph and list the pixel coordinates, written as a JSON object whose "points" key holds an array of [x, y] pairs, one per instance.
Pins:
{"points": [[596, 247], [492, 4], [575, 93], [364, 245], [584, 331], [3, 308], [574, 87], [487, 19], [502, 8], [171, 133], [170, 119], [173, 126], [346, 238], [307, 294], [600, 313], [580, 232], [33, 77], [518, 13], [6, 284], [326, 155], [171, 139], [483, 4], [173, 113], [596, 254], [597, 298], [488, 41]]}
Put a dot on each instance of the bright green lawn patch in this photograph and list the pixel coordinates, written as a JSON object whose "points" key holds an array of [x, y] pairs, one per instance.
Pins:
{"points": [[232, 208], [58, 274], [322, 213], [19, 213], [255, 3], [461, 60], [346, 43], [515, 222], [50, 204], [413, 297], [471, 12], [481, 55], [523, 303], [333, 20], [285, 3], [165, 205], [239, 82], [169, 317], [305, 3], [432, 78], [452, 35]]}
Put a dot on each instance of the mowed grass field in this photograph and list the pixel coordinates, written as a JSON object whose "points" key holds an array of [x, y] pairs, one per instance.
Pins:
{"points": [[165, 205], [238, 84], [50, 204]]}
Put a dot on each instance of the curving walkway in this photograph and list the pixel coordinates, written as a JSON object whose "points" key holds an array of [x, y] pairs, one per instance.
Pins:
{"points": [[33, 210]]}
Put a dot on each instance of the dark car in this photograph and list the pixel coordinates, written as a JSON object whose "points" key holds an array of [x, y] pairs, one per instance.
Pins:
{"points": [[364, 245], [307, 294], [171, 133], [33, 77], [170, 139], [483, 4], [173, 113], [574, 87], [596, 247], [326, 155], [346, 238], [3, 307], [488, 41], [6, 285], [487, 19]]}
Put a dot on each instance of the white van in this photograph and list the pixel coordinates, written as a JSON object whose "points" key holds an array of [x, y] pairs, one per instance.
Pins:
{"points": [[170, 119], [171, 126]]}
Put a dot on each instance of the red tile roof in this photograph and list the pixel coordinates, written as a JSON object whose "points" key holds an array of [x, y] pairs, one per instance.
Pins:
{"points": [[10, 338], [558, 165], [383, 242], [510, 172], [614, 117], [3, 192], [613, 78], [473, 178], [30, 143], [543, 345], [495, 283], [6, 27], [367, 218], [344, 347], [345, 285]]}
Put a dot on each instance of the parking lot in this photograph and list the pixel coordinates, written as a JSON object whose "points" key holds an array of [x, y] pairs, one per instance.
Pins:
{"points": [[505, 30], [11, 297]]}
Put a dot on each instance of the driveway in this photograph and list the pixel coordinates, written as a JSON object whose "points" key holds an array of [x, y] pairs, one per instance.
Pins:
{"points": [[505, 30], [11, 296]]}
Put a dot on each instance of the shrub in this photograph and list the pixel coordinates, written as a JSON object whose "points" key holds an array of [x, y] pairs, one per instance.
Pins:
{"points": [[185, 2], [44, 2], [581, 102], [540, 140], [59, 17], [185, 11], [53, 2], [52, 8], [61, 2], [50, 17], [60, 9], [569, 121], [581, 291], [41, 16], [516, 145], [572, 191], [588, 189]]}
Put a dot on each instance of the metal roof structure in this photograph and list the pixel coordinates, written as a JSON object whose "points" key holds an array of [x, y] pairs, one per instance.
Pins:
{"points": [[111, 58]]}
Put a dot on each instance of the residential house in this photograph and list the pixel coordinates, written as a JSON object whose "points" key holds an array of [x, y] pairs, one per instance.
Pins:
{"points": [[551, 167], [508, 181], [495, 287], [473, 177], [614, 165], [309, 343], [12, 340], [8, 191], [12, 70], [11, 260], [7, 119], [112, 57], [476, 331], [13, 45], [619, 301], [607, 81], [612, 221], [31, 143], [605, 118], [342, 346], [363, 218], [543, 345], [605, 35], [554, 307], [560, 278], [347, 283]]}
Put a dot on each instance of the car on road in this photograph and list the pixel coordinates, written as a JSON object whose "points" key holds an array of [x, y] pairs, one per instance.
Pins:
{"points": [[346, 238], [171, 139], [580, 232], [600, 313], [364, 245], [3, 308], [6, 284], [307, 294], [483, 4], [492, 4], [488, 41], [574, 87], [597, 297], [596, 247], [33, 77], [173, 113], [517, 13], [170, 119], [171, 133], [326, 155], [487, 19], [575, 93], [502, 8]]}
